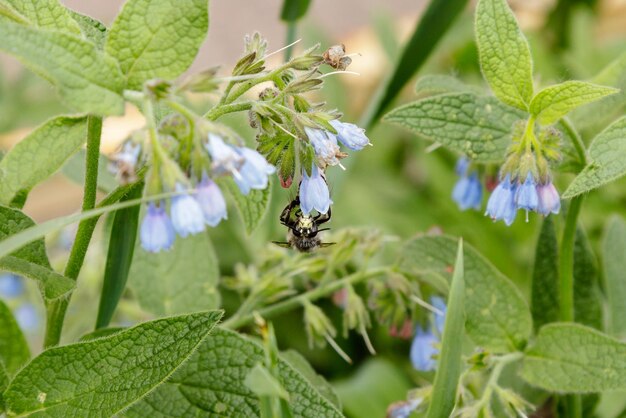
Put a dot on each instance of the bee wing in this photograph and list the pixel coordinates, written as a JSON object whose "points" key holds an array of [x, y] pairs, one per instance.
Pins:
{"points": [[282, 244]]}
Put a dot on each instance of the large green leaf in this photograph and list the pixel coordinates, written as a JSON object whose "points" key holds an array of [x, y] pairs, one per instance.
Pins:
{"points": [[211, 383], [46, 14], [504, 53], [477, 126], [554, 102], [449, 366], [181, 280], [294, 10], [587, 296], [545, 285], [433, 84], [88, 80], [40, 154], [607, 154], [157, 38], [102, 377], [298, 362], [14, 352], [497, 316], [4, 382], [574, 358], [614, 263], [252, 207]]}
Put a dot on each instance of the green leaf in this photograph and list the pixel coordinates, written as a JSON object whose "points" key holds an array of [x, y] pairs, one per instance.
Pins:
{"points": [[92, 29], [119, 259], [53, 285], [74, 170], [477, 126], [181, 280], [212, 381], [252, 207], [614, 265], [587, 296], [545, 284], [504, 53], [157, 38], [450, 364], [572, 358], [88, 80], [433, 25], [14, 352], [294, 9], [105, 376], [13, 221], [45, 14], [102, 332], [40, 155], [433, 84], [554, 102], [298, 362], [261, 382], [4, 382], [607, 155], [497, 316]]}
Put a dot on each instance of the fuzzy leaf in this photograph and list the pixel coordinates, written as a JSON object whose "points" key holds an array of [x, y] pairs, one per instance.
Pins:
{"points": [[187, 275], [100, 378], [587, 296], [298, 362], [40, 155], [433, 84], [157, 38], [614, 263], [545, 291], [14, 352], [4, 382], [554, 102], [572, 358], [212, 383], [477, 126], [497, 316], [45, 14], [13, 221], [92, 29], [504, 53], [88, 80], [449, 363], [53, 285], [607, 154], [252, 207]]}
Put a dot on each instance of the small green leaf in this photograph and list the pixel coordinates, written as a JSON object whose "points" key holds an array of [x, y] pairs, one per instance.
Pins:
{"points": [[614, 263], [92, 29], [213, 380], [607, 154], [40, 154], [187, 275], [504, 53], [294, 9], [477, 126], [497, 316], [261, 382], [587, 296], [572, 358], [554, 102], [53, 285], [449, 364], [545, 284], [45, 14], [433, 84], [14, 352], [298, 362], [13, 221], [105, 376], [252, 207], [119, 259], [88, 80], [157, 38]]}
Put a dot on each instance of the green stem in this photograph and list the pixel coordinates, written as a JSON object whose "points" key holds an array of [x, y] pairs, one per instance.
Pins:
{"points": [[566, 261], [492, 383], [56, 310], [292, 29], [219, 111], [237, 321], [579, 145], [247, 85]]}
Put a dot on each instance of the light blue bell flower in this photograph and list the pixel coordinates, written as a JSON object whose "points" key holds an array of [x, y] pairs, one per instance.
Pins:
{"points": [[187, 216], [314, 193], [325, 146], [156, 232], [423, 349], [549, 200], [211, 201], [254, 172], [526, 196], [468, 192], [501, 204], [350, 135], [11, 285], [225, 158]]}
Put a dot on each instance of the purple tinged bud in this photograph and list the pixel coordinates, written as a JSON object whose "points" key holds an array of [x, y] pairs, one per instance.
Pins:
{"points": [[324, 144], [157, 232], [187, 216], [314, 193], [26, 317], [462, 164], [549, 200], [11, 285], [254, 172], [526, 196], [350, 135], [501, 204], [423, 349], [468, 192], [211, 201]]}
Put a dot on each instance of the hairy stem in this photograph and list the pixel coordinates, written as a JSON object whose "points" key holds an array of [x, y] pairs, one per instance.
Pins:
{"points": [[237, 321], [566, 262], [221, 110], [492, 383], [56, 310], [579, 145]]}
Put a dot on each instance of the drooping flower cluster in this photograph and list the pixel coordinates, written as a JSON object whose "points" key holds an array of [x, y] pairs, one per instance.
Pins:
{"points": [[468, 191], [424, 345]]}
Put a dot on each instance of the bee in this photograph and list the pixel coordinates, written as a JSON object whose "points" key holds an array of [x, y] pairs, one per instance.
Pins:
{"points": [[303, 229]]}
